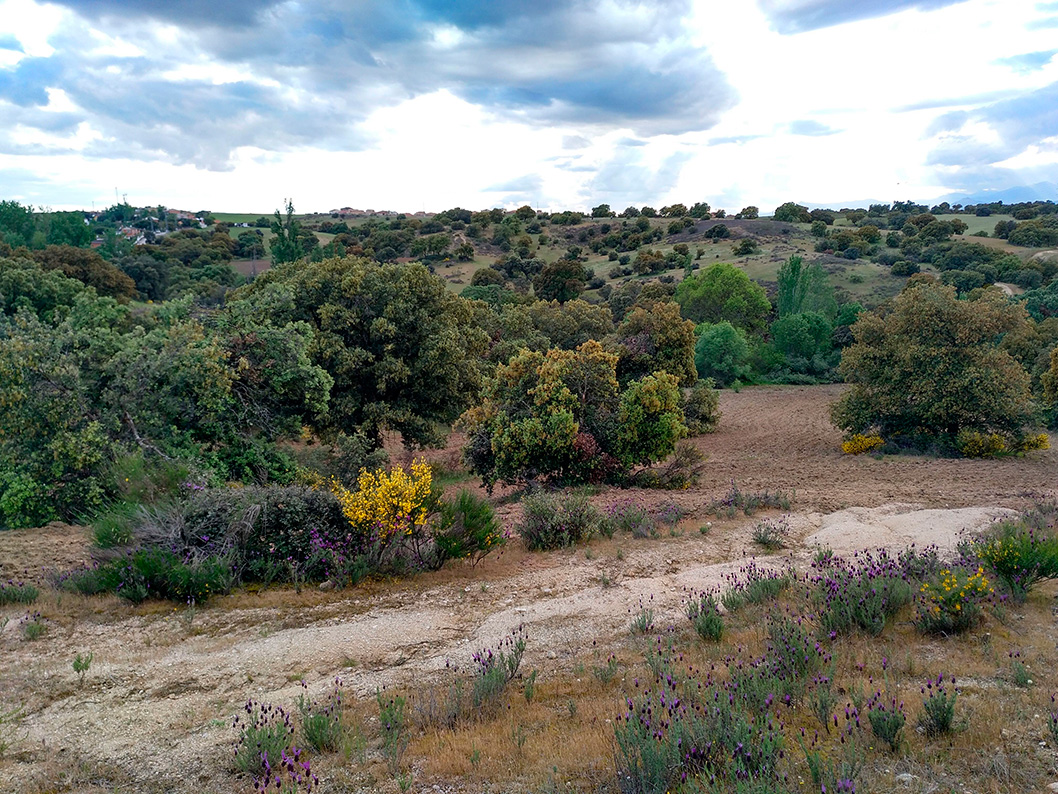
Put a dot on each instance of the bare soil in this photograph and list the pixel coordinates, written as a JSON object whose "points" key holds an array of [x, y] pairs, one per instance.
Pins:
{"points": [[155, 711]]}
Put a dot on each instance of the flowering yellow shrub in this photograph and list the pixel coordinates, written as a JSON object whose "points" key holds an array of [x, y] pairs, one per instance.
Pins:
{"points": [[389, 504], [859, 443], [953, 602], [974, 444], [1039, 441]]}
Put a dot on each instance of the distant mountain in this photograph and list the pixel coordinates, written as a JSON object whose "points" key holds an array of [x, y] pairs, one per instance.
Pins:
{"points": [[1041, 191]]}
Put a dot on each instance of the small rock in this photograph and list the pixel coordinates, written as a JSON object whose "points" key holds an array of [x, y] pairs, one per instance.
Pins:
{"points": [[552, 655], [328, 585], [1053, 787], [906, 778]]}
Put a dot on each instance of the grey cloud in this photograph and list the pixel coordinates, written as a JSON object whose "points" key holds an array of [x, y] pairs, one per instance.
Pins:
{"points": [[543, 62], [798, 16], [625, 179]]}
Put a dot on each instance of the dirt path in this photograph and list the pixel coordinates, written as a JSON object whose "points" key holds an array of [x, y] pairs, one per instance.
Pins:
{"points": [[164, 684]]}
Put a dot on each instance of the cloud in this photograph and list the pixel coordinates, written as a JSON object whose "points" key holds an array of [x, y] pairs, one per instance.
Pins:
{"points": [[959, 101], [311, 72], [1027, 62], [10, 43], [974, 142], [737, 139], [627, 177], [1042, 24], [811, 128], [797, 16], [521, 184]]}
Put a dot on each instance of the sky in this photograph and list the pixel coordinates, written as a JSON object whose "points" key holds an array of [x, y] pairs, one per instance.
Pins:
{"points": [[409, 105]]}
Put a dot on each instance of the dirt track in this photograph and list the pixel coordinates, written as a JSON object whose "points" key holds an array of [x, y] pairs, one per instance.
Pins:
{"points": [[162, 688]]}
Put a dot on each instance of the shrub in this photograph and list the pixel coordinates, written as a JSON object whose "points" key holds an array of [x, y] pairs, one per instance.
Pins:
{"points": [[753, 585], [265, 733], [322, 724], [704, 614], [887, 720], [33, 626], [12, 592], [467, 529], [395, 737], [772, 534], [701, 408], [862, 594], [1019, 556], [974, 444], [1033, 442], [554, 522], [495, 670], [152, 572], [938, 707], [858, 443], [748, 502], [952, 603]]}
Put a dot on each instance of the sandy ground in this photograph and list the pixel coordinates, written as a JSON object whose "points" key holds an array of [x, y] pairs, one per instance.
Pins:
{"points": [[164, 684]]}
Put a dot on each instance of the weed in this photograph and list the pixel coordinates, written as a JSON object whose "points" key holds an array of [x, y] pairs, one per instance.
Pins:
{"points": [[519, 734], [606, 674], [772, 533], [81, 663], [322, 724], [1019, 674], [938, 707], [749, 503], [631, 516], [17, 593], [265, 733], [529, 690], [11, 728], [395, 736], [33, 626], [643, 620]]}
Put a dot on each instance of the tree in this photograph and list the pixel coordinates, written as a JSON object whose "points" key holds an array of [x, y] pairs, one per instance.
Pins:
{"points": [[285, 246], [723, 292], [562, 280], [929, 366], [749, 213], [404, 352], [602, 211], [804, 288], [792, 213], [656, 339], [802, 335], [745, 247], [721, 353], [88, 267], [699, 210]]}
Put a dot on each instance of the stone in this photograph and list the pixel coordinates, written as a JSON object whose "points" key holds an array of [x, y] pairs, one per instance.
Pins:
{"points": [[906, 778]]}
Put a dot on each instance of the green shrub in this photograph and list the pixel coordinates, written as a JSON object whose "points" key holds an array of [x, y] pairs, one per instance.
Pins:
{"points": [[12, 592], [701, 408], [113, 528], [704, 614], [322, 724], [467, 529], [938, 707], [265, 732], [554, 522], [1019, 556]]}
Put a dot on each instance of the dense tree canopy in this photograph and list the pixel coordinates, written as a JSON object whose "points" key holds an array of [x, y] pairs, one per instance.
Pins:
{"points": [[723, 292], [403, 351], [930, 366]]}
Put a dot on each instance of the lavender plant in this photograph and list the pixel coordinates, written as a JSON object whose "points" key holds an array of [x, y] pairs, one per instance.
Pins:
{"points": [[265, 733], [938, 706], [12, 592], [322, 724]]}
